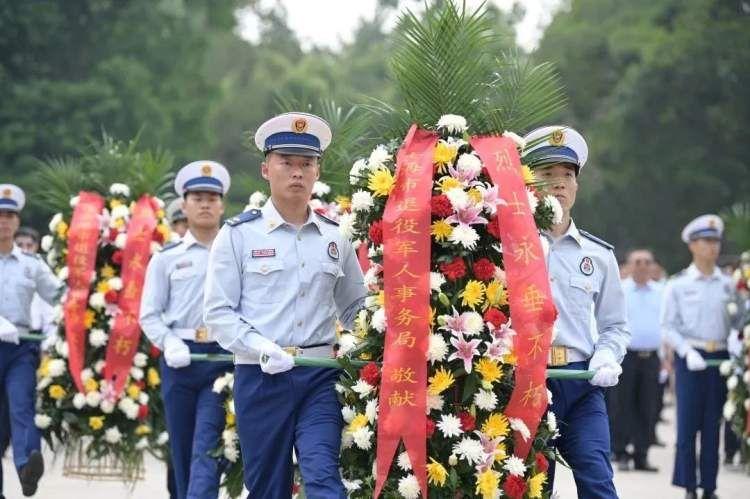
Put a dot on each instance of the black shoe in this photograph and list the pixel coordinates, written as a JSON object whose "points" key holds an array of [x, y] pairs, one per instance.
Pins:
{"points": [[623, 464], [691, 495], [31, 472], [709, 495], [645, 466]]}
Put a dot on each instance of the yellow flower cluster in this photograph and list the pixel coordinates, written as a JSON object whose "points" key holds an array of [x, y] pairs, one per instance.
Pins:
{"points": [[441, 381], [436, 473], [487, 484], [473, 293], [496, 425], [441, 230], [489, 370], [90, 385], [152, 377], [497, 295], [381, 182], [56, 392]]}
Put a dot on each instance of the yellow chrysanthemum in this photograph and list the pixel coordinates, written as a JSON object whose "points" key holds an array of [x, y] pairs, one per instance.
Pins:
{"points": [[114, 203], [43, 370], [365, 356], [164, 230], [535, 485], [152, 377], [90, 385], [441, 381], [473, 293], [119, 223], [107, 272], [96, 422], [448, 183], [143, 429], [381, 182], [487, 484], [344, 202], [133, 391], [359, 421], [497, 296], [230, 419], [510, 358], [61, 229], [496, 425], [444, 154], [88, 318], [432, 317], [489, 370], [381, 299], [441, 230], [56, 392], [102, 287], [475, 195], [436, 473], [528, 175], [500, 454]]}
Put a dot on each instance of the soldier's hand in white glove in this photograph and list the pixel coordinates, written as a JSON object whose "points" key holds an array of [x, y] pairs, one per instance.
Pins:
{"points": [[274, 360], [8, 331], [606, 369], [734, 343], [176, 352], [694, 360]]}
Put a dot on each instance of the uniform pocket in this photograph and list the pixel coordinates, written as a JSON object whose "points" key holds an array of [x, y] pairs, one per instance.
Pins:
{"points": [[581, 295], [263, 280]]}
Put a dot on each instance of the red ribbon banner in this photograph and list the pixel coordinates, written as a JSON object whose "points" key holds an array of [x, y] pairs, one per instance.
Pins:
{"points": [[83, 241], [126, 332], [406, 270], [532, 310]]}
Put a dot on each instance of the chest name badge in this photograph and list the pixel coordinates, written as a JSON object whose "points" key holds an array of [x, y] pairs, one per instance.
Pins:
{"points": [[333, 250], [264, 253], [586, 266], [184, 265]]}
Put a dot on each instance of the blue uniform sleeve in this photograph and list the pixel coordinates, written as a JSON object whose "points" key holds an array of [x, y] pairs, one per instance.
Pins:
{"points": [[349, 293], [154, 302], [610, 312]]}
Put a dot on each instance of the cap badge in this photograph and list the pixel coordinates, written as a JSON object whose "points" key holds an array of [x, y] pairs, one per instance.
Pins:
{"points": [[206, 170], [7, 193], [557, 138], [299, 125]]}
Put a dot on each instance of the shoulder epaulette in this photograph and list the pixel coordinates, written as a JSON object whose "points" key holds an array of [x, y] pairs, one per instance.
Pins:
{"points": [[326, 219], [245, 216], [601, 242], [170, 246]]}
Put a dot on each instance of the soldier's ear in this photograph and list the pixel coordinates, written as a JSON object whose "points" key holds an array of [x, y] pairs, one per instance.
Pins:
{"points": [[264, 170]]}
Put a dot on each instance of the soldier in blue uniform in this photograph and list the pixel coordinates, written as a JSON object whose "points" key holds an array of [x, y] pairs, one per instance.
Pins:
{"points": [[21, 275], [585, 283], [172, 318], [696, 325], [278, 278]]}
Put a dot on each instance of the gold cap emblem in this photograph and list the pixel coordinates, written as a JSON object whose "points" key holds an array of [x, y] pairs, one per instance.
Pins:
{"points": [[206, 170], [557, 138], [7, 193], [299, 125]]}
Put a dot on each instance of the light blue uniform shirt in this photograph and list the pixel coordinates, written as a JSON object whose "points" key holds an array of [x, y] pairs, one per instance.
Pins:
{"points": [[173, 290], [585, 283], [695, 307], [288, 285], [644, 314], [21, 275]]}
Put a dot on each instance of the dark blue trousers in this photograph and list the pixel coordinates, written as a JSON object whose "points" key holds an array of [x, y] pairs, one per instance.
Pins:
{"points": [[4, 433], [276, 413], [700, 398], [18, 364], [584, 440], [195, 420]]}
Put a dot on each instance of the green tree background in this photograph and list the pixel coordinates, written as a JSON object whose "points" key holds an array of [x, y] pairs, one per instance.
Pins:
{"points": [[659, 88]]}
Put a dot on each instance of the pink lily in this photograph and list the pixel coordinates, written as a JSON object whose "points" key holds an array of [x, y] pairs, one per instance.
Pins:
{"points": [[465, 350], [467, 216]]}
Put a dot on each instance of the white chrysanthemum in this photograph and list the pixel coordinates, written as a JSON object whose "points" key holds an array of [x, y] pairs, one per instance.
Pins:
{"points": [[98, 366], [119, 211], [351, 485], [52, 258], [518, 425], [220, 384], [732, 382], [470, 164], [453, 123], [140, 359], [42, 421], [163, 438], [107, 406], [533, 201], [355, 174], [128, 407], [437, 349], [79, 400], [371, 301], [403, 461], [470, 450], [54, 222], [485, 400], [142, 444], [56, 367], [363, 388], [347, 342], [729, 410], [229, 436], [256, 199], [556, 207], [112, 435], [120, 240], [378, 157], [371, 410], [93, 398], [436, 281], [363, 438], [732, 308], [361, 201], [62, 274], [119, 190], [346, 225], [514, 465], [46, 243], [474, 323], [115, 283], [449, 425], [371, 276], [98, 338], [61, 347], [348, 413], [320, 189], [87, 374], [143, 398], [435, 403], [517, 139], [549, 396], [136, 373], [464, 235], [725, 368], [346, 439], [378, 320], [458, 197], [97, 301], [43, 383], [408, 487]]}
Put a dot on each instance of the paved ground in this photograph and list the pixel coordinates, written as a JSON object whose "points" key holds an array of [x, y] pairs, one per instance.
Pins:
{"points": [[732, 484]]}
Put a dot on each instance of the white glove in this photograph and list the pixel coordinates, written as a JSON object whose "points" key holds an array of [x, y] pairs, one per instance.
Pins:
{"points": [[607, 369], [274, 360], [694, 360], [734, 344], [8, 331], [176, 352], [49, 341]]}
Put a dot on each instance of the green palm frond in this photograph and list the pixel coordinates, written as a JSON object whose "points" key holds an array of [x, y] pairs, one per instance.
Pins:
{"points": [[522, 94], [151, 173], [57, 180], [441, 63], [737, 224]]}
